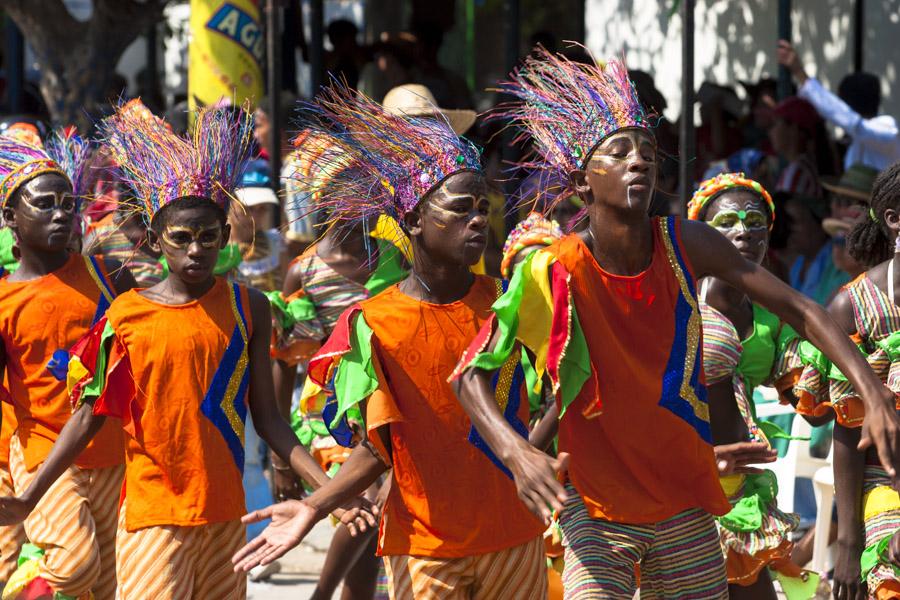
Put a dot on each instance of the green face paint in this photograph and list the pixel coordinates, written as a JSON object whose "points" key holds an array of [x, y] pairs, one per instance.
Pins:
{"points": [[736, 219]]}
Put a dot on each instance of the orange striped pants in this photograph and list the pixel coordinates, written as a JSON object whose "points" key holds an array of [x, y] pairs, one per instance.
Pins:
{"points": [[518, 573], [168, 562], [12, 537], [75, 524]]}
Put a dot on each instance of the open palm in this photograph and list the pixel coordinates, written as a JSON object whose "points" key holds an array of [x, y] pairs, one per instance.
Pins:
{"points": [[291, 522]]}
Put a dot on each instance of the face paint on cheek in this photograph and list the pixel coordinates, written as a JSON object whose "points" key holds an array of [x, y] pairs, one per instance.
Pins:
{"points": [[181, 237]]}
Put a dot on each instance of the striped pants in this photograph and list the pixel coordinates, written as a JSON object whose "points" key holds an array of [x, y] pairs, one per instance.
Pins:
{"points": [[168, 562], [75, 524], [518, 573], [679, 558], [12, 537]]}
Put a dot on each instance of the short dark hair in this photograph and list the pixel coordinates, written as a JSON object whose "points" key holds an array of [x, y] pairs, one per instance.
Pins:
{"points": [[164, 215], [862, 92]]}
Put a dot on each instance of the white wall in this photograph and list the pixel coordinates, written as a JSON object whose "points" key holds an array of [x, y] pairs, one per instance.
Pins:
{"points": [[735, 39]]}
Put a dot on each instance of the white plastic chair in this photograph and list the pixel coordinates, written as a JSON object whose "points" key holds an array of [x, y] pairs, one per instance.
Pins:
{"points": [[797, 462]]}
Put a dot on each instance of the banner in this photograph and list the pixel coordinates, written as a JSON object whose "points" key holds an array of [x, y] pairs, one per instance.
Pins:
{"points": [[225, 53]]}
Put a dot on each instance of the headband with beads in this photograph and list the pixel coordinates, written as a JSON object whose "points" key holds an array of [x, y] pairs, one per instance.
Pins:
{"points": [[711, 188]]}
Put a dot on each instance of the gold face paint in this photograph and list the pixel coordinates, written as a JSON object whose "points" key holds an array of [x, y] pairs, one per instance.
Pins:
{"points": [[48, 202], [181, 237]]}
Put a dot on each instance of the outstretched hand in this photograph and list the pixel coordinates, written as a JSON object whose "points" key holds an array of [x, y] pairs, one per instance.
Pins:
{"points": [[13, 510], [291, 522], [737, 458], [535, 474]]}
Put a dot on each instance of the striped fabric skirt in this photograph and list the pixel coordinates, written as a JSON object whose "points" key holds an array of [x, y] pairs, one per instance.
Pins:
{"points": [[881, 516], [678, 558]]}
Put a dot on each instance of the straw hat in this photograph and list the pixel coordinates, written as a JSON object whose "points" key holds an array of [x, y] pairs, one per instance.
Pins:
{"points": [[414, 100], [856, 182]]}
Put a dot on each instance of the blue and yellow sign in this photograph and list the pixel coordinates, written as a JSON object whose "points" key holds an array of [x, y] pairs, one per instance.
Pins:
{"points": [[226, 52]]}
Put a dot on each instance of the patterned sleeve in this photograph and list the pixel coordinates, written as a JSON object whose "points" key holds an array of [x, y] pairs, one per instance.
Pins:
{"points": [[297, 331], [537, 311], [788, 366], [822, 386], [350, 376], [99, 372]]}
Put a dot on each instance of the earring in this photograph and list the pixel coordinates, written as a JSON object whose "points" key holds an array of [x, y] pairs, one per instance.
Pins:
{"points": [[897, 245]]}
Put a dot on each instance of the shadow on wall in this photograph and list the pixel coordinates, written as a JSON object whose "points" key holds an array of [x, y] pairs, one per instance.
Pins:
{"points": [[735, 40]]}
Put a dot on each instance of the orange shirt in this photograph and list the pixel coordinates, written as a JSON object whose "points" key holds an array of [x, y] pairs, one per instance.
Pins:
{"points": [[7, 428], [648, 455], [181, 467], [447, 498], [37, 318]]}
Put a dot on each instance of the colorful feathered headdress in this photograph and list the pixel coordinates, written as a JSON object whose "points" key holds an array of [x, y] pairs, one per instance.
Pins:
{"points": [[568, 108], [73, 153], [711, 188], [22, 157], [161, 166], [377, 163]]}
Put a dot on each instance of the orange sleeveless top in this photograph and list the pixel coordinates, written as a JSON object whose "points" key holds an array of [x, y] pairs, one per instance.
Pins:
{"points": [[38, 318], [447, 498], [185, 417], [647, 456]]}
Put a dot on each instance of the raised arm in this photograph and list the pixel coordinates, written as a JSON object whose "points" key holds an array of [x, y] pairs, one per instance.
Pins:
{"points": [[711, 254]]}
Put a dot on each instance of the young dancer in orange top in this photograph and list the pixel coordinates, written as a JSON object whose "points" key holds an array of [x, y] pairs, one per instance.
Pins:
{"points": [[611, 316], [50, 302], [452, 526], [179, 363]]}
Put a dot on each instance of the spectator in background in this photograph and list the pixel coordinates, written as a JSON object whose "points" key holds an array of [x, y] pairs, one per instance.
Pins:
{"points": [[449, 88], [347, 58], [875, 140], [391, 64], [813, 272], [251, 218], [792, 136], [719, 134], [761, 99], [850, 197]]}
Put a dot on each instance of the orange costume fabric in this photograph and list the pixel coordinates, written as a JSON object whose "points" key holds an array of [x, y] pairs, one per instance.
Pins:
{"points": [[646, 455], [37, 318], [13, 536], [183, 465], [438, 475]]}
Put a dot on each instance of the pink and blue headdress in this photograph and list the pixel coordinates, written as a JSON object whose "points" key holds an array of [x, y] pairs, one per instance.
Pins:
{"points": [[377, 162], [568, 108], [161, 166], [23, 156]]}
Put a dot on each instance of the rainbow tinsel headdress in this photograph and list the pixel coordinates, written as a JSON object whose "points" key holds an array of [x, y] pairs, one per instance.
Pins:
{"points": [[73, 153], [161, 166], [21, 160], [377, 163], [567, 108], [711, 188]]}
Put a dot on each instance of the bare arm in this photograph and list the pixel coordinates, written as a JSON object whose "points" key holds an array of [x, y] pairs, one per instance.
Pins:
{"points": [[292, 520], [533, 471], [272, 427], [711, 254], [543, 433], [78, 431]]}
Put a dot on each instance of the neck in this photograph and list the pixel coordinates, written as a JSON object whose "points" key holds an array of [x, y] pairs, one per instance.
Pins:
{"points": [[621, 241], [178, 291], [436, 282], [36, 263]]}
